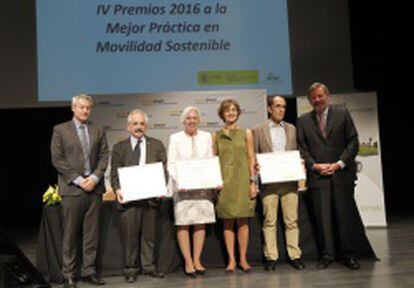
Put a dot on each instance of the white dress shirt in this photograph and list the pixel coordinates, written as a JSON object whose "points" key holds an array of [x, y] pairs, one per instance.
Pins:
{"points": [[278, 136], [143, 148]]}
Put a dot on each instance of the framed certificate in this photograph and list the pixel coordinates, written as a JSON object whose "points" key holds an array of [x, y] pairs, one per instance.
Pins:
{"points": [[199, 173], [142, 181], [280, 167]]}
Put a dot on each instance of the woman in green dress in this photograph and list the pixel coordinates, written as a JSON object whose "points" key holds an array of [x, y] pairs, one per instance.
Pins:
{"points": [[236, 202]]}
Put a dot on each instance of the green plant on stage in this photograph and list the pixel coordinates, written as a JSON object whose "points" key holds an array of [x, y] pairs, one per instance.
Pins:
{"points": [[51, 196]]}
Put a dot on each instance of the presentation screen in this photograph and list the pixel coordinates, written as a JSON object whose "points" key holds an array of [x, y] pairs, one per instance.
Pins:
{"points": [[130, 46]]}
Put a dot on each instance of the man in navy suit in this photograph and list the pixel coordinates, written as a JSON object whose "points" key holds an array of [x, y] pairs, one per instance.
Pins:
{"points": [[328, 141]]}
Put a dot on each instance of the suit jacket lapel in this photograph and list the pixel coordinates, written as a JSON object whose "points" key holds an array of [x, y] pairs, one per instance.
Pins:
{"points": [[74, 134], [267, 137], [315, 124], [147, 148], [288, 137], [329, 121], [93, 137], [91, 132], [129, 161]]}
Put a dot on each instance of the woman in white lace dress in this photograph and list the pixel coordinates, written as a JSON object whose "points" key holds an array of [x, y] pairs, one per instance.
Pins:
{"points": [[192, 207]]}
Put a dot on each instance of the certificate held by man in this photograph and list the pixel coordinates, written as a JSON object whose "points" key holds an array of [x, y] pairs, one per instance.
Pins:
{"points": [[199, 174], [142, 182], [278, 167]]}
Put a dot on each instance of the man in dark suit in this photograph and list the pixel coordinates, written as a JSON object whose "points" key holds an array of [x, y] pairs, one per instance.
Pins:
{"points": [[79, 153], [138, 218], [328, 141], [272, 136]]}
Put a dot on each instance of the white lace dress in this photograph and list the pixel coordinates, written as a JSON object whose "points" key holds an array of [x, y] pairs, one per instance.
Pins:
{"points": [[195, 206]]}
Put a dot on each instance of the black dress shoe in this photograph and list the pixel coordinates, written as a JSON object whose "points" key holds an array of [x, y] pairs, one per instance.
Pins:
{"points": [[130, 277], [270, 265], [94, 280], [297, 264], [154, 274], [351, 263], [69, 283], [324, 263]]}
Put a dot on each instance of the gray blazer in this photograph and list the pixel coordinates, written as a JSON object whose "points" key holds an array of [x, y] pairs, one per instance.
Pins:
{"points": [[341, 143], [67, 156], [263, 144]]}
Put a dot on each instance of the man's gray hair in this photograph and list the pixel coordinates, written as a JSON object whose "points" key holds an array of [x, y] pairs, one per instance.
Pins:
{"points": [[77, 98], [137, 111], [187, 110], [318, 85]]}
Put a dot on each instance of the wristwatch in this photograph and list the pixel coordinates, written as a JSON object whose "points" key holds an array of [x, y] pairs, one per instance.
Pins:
{"points": [[253, 179]]}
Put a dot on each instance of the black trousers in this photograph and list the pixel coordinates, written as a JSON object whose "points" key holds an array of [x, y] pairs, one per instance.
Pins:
{"points": [[80, 216], [138, 232], [335, 208]]}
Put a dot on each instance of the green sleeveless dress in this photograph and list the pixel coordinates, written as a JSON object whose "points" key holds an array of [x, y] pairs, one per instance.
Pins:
{"points": [[234, 200]]}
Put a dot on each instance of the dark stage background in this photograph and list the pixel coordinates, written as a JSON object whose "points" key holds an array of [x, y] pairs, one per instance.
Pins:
{"points": [[25, 169]]}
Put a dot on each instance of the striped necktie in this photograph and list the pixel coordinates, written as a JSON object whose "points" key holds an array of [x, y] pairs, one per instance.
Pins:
{"points": [[84, 140], [322, 124]]}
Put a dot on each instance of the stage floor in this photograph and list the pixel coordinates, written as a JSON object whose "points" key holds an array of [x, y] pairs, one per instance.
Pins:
{"points": [[393, 245]]}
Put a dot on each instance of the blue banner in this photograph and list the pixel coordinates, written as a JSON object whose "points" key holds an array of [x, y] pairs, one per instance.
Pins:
{"points": [[129, 46]]}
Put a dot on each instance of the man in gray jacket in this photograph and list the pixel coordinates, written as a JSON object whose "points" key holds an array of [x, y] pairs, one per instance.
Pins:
{"points": [[79, 153]]}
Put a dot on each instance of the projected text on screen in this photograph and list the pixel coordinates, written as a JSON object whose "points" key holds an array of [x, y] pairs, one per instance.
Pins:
{"points": [[126, 46]]}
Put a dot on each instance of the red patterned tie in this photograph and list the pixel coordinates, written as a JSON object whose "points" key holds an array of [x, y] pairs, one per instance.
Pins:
{"points": [[322, 124]]}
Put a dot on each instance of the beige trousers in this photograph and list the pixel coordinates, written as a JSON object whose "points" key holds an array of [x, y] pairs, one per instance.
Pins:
{"points": [[289, 205]]}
